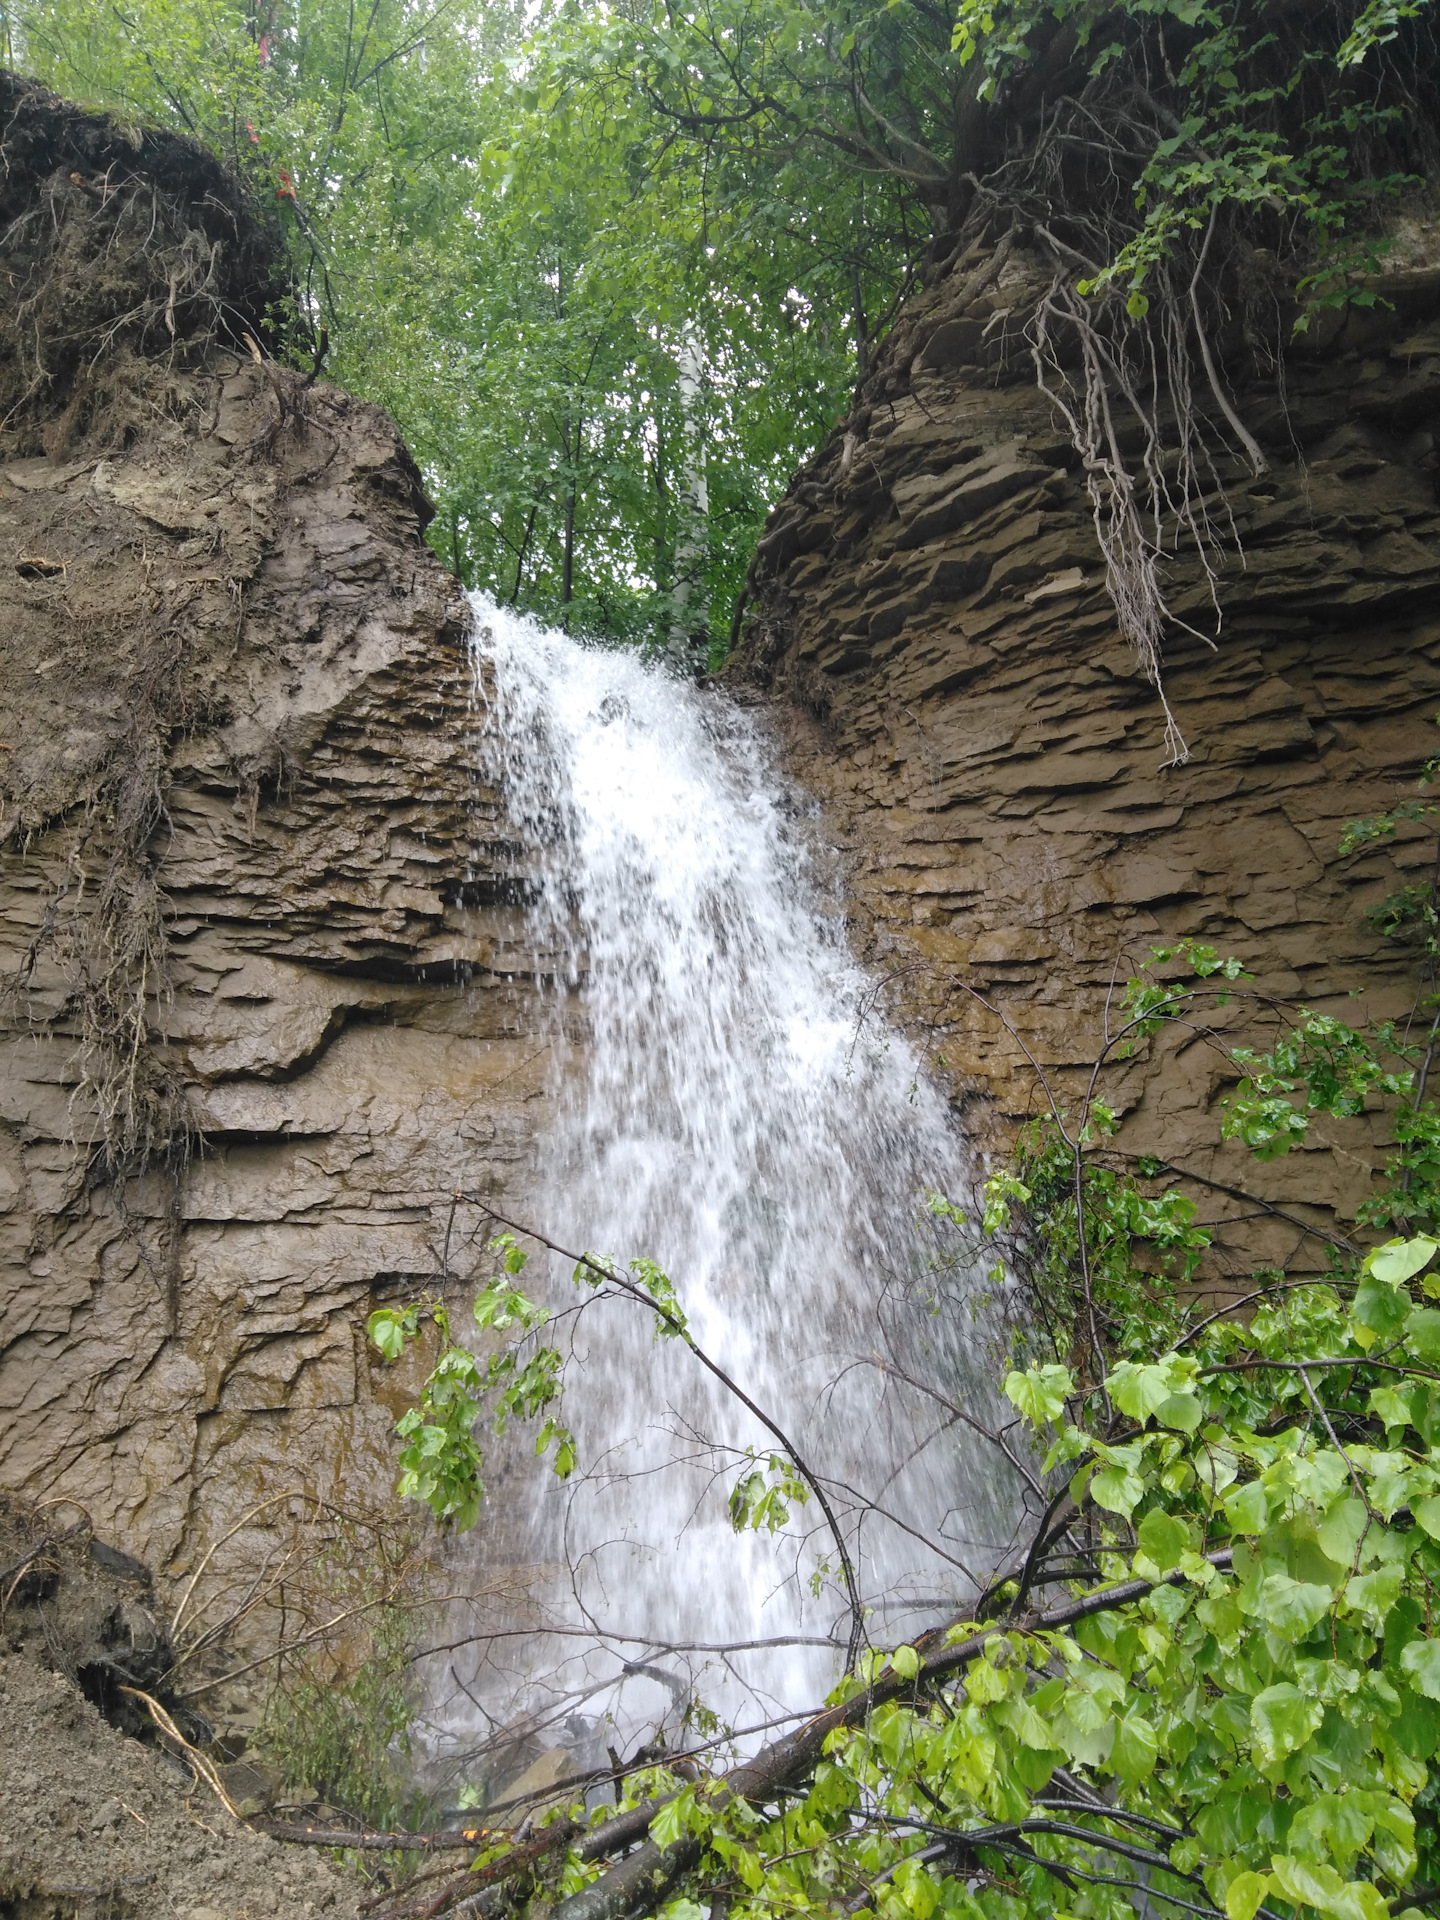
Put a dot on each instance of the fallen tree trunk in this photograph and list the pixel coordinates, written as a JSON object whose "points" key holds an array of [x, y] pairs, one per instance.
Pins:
{"points": [[295, 1835]]}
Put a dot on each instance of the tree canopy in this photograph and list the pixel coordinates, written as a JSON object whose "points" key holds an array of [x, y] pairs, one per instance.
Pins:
{"points": [[616, 269]]}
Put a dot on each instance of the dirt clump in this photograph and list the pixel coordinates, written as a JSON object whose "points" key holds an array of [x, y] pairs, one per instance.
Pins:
{"points": [[127, 253], [94, 1822]]}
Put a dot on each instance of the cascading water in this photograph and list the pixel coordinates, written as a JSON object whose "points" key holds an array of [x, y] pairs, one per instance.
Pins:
{"points": [[719, 1105]]}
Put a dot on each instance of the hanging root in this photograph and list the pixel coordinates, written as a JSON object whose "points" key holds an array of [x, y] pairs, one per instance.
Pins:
{"points": [[117, 251], [1125, 385], [106, 929], [1141, 511]]}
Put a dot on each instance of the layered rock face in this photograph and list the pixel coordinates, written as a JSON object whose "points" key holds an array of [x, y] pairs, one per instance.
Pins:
{"points": [[247, 841], [270, 991], [953, 685]]}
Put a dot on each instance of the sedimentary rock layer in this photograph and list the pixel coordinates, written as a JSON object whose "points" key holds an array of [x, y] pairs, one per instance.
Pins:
{"points": [[951, 681], [257, 911]]}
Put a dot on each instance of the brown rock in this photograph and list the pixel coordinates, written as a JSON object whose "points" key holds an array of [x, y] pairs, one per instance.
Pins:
{"points": [[243, 631], [997, 776]]}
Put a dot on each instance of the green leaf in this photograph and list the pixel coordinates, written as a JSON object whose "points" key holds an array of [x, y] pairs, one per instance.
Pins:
{"points": [[1421, 1660], [1021, 1718], [1000, 1190], [1293, 1607], [1341, 1529], [985, 1682], [1135, 1751], [1040, 1392], [1116, 1489], [682, 1910], [671, 1822], [1399, 1260], [1182, 1411], [389, 1328], [1323, 1888], [1392, 1407], [1140, 1391], [1163, 1537], [1336, 1823], [906, 1662], [1282, 1719], [1422, 1334], [1403, 1624], [1379, 1312], [1375, 1593], [1085, 1731], [1245, 1895], [1247, 1508]]}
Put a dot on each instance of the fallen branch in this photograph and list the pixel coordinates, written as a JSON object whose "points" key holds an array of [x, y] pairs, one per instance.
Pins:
{"points": [[622, 1830], [450, 1840], [640, 1882]]}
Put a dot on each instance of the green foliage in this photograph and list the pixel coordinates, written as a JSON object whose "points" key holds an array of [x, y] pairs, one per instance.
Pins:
{"points": [[441, 1461], [339, 1717], [1411, 913], [1273, 1713], [1263, 121], [764, 1496], [1330, 1065]]}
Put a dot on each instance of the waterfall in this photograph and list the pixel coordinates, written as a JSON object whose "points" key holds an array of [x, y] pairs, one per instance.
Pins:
{"points": [[722, 1099]]}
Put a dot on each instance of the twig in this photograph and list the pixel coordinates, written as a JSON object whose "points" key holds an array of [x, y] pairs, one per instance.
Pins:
{"points": [[197, 1760], [637, 1293]]}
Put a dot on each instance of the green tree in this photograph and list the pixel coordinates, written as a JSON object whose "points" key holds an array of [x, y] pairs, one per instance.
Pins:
{"points": [[497, 258]]}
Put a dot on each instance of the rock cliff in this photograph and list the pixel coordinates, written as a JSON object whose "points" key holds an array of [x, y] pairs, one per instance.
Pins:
{"points": [[265, 981], [936, 632], [270, 990]]}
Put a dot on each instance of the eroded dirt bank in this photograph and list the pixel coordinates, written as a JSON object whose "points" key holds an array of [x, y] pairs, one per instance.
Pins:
{"points": [[951, 681], [92, 1822]]}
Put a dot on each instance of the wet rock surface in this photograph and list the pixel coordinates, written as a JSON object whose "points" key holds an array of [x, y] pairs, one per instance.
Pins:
{"points": [[948, 675]]}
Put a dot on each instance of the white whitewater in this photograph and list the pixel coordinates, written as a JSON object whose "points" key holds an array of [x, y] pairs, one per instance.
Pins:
{"points": [[718, 1104]]}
